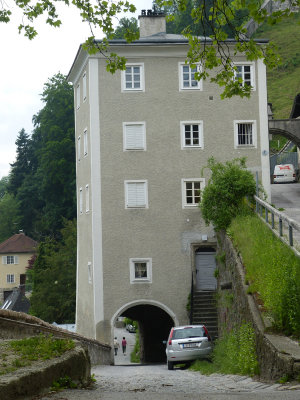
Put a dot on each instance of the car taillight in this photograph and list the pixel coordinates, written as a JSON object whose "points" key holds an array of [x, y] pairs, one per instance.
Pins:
{"points": [[274, 176], [206, 332], [170, 337]]}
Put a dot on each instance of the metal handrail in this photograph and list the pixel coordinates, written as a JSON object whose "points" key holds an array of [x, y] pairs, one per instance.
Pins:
{"points": [[291, 223]]}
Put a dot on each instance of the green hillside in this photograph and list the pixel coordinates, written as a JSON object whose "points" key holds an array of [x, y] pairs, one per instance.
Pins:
{"points": [[284, 81]]}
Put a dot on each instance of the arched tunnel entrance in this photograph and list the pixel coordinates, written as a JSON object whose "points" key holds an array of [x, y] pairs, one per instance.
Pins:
{"points": [[154, 327]]}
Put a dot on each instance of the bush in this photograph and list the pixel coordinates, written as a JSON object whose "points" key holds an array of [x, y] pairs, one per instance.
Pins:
{"points": [[223, 198]]}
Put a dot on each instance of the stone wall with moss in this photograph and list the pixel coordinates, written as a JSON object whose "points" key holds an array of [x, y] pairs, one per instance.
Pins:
{"points": [[278, 356]]}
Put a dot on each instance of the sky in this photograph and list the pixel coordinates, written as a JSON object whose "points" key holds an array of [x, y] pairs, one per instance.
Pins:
{"points": [[26, 66]]}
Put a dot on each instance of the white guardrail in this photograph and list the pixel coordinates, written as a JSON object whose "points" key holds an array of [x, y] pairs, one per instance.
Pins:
{"points": [[278, 220]]}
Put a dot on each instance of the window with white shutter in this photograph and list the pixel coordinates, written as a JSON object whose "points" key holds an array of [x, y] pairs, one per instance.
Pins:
{"points": [[80, 201], [78, 97], [134, 136], [79, 148], [85, 142], [87, 198], [84, 86], [10, 278], [10, 260], [136, 194]]}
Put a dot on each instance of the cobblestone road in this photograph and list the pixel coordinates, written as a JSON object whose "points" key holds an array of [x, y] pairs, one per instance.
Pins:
{"points": [[156, 382]]}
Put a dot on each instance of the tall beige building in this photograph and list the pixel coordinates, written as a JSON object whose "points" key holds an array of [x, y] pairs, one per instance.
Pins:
{"points": [[143, 136]]}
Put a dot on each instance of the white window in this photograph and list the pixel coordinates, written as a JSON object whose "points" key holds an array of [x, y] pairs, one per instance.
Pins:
{"points": [[84, 86], [245, 73], [80, 201], [245, 134], [187, 77], [140, 270], [134, 136], [136, 194], [90, 273], [192, 134], [85, 142], [10, 260], [133, 77], [10, 278], [191, 191], [78, 96], [87, 198], [78, 148]]}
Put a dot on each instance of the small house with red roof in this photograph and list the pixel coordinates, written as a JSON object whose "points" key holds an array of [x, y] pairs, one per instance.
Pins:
{"points": [[15, 252]]}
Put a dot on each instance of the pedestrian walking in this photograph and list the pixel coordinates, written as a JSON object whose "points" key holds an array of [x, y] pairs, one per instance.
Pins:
{"points": [[124, 344], [116, 346]]}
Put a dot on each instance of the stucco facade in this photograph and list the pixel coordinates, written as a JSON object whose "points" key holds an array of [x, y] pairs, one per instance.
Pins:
{"points": [[15, 252], [164, 232]]}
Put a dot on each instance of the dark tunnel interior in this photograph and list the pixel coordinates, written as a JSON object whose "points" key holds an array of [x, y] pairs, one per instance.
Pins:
{"points": [[154, 327]]}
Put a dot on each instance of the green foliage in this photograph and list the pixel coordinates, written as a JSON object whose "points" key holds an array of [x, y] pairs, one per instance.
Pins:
{"points": [[43, 177], [273, 270], [41, 347], [284, 379], [127, 29], [10, 220], [233, 354], [64, 382], [222, 199], [54, 278], [135, 354], [283, 80], [22, 353], [3, 186], [217, 20]]}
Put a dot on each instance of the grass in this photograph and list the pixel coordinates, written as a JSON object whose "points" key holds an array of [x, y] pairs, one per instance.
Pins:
{"points": [[135, 354], [21, 353], [284, 81], [273, 270], [233, 354]]}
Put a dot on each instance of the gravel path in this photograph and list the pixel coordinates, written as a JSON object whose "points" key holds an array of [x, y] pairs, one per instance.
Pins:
{"points": [[151, 382]]}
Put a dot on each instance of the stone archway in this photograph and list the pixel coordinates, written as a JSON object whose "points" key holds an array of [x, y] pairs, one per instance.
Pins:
{"points": [[155, 321], [289, 128]]}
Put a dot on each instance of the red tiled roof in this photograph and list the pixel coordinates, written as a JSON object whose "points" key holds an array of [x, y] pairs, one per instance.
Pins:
{"points": [[18, 243]]}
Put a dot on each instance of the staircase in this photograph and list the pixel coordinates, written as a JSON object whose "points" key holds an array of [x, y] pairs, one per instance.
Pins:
{"points": [[205, 311]]}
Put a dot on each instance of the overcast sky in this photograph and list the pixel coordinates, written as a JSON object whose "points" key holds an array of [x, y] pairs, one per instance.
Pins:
{"points": [[26, 65]]}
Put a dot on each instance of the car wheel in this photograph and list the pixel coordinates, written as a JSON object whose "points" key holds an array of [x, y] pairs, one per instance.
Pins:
{"points": [[170, 365]]}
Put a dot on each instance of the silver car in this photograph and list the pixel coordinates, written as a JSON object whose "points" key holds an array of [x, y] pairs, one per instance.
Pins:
{"points": [[188, 343]]}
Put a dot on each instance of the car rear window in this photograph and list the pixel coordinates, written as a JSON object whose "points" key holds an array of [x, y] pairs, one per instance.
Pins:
{"points": [[188, 333]]}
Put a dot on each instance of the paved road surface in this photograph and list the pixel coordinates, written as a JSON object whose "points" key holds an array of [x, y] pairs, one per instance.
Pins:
{"points": [[287, 196], [153, 382]]}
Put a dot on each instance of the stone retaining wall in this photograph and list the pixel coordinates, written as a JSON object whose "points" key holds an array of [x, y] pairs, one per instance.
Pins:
{"points": [[15, 325], [40, 376], [277, 355]]}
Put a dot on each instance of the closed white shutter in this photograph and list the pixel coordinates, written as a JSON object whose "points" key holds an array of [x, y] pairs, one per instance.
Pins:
{"points": [[16, 260], [4, 260], [134, 137], [136, 194]]}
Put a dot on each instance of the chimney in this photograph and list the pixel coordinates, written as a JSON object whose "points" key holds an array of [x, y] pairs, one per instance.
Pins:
{"points": [[152, 22]]}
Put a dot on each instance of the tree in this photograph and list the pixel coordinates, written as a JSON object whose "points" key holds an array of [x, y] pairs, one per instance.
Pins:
{"points": [[53, 276], [222, 199], [43, 177], [3, 186], [125, 27], [21, 167], [10, 220], [212, 52]]}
